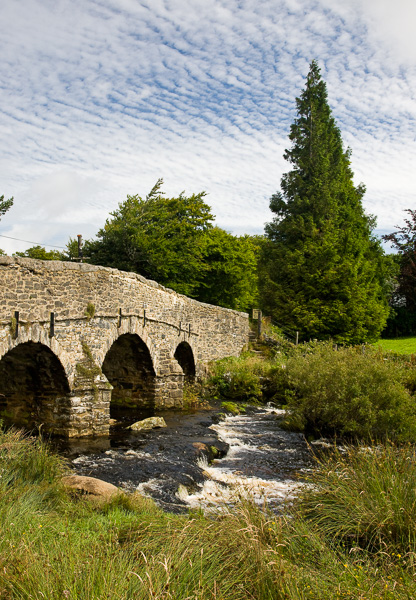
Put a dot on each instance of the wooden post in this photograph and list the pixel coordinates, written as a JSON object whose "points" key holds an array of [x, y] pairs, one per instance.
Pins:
{"points": [[16, 318], [259, 325], [297, 338], [80, 253], [52, 325]]}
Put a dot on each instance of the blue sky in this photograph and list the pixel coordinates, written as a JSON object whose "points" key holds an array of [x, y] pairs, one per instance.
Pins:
{"points": [[100, 98]]}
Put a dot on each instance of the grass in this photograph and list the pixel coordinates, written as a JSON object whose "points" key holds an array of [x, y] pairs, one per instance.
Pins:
{"points": [[350, 535], [404, 345]]}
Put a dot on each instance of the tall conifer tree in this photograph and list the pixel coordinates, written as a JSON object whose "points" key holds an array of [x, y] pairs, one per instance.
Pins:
{"points": [[322, 269]]}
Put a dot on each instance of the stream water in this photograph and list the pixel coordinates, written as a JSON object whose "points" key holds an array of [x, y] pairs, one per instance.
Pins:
{"points": [[174, 465]]}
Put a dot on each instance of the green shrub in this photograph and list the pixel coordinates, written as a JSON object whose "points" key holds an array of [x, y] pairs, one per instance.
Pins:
{"points": [[239, 378], [348, 393]]}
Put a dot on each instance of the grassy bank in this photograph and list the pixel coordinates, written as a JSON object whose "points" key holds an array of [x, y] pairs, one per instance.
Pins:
{"points": [[404, 345], [350, 535], [357, 393]]}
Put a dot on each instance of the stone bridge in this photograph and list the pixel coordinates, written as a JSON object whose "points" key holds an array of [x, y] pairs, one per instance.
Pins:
{"points": [[77, 342]]}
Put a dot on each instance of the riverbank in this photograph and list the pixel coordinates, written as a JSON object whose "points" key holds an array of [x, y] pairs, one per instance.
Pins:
{"points": [[349, 535], [202, 459]]}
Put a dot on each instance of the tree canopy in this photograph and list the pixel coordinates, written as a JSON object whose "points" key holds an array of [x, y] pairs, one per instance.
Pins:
{"points": [[321, 271], [40, 253], [230, 275], [403, 300], [158, 237], [4, 207], [174, 241]]}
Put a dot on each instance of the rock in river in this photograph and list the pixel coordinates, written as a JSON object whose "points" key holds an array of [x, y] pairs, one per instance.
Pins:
{"points": [[150, 423]]}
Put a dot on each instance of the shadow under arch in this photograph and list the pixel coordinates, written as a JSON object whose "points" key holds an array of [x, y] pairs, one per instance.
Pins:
{"points": [[34, 389], [128, 366], [185, 358]]}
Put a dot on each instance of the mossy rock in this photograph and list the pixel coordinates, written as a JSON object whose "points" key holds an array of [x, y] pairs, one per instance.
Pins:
{"points": [[233, 408]]}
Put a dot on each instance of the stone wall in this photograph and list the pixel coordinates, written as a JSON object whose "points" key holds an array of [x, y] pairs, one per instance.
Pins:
{"points": [[79, 312]]}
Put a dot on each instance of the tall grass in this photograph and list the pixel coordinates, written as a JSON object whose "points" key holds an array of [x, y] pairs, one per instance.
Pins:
{"points": [[349, 535]]}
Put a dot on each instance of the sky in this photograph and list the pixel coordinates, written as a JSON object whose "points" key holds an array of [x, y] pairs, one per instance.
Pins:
{"points": [[100, 98]]}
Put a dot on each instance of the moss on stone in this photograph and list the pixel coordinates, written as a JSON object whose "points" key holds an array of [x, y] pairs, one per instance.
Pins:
{"points": [[90, 311], [13, 325]]}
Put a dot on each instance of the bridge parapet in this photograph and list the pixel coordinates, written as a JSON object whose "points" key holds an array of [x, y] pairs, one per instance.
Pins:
{"points": [[115, 334]]}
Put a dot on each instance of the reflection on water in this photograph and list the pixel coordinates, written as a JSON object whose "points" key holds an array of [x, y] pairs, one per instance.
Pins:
{"points": [[171, 465]]}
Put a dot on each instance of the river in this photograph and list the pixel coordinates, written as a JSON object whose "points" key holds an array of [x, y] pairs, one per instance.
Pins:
{"points": [[174, 465]]}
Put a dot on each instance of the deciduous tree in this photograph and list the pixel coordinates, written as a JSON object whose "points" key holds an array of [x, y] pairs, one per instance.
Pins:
{"points": [[4, 207], [403, 300]]}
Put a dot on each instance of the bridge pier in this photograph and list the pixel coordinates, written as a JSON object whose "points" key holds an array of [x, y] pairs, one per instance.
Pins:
{"points": [[89, 410]]}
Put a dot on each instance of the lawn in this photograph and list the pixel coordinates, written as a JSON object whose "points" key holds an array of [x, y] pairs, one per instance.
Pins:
{"points": [[404, 345]]}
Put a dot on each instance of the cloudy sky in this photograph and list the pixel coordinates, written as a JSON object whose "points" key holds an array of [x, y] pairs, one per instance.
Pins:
{"points": [[100, 98]]}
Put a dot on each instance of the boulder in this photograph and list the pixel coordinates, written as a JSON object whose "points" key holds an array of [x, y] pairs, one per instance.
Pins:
{"points": [[91, 485], [146, 424]]}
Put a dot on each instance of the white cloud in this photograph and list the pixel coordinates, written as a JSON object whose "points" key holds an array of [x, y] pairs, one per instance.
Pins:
{"points": [[100, 98]]}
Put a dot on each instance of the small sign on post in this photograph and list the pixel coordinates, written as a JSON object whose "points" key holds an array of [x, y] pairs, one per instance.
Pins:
{"points": [[256, 314]]}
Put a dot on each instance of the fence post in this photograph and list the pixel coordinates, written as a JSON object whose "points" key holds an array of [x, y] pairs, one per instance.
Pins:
{"points": [[259, 323], [52, 325]]}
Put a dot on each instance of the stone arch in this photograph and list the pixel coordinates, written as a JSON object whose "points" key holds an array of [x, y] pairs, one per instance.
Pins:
{"points": [[131, 326], [129, 368], [38, 333], [185, 357], [34, 389]]}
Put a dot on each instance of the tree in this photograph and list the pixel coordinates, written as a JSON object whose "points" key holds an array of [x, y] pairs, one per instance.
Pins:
{"points": [[41, 253], [403, 300], [320, 269], [230, 275], [160, 238], [4, 207], [173, 241]]}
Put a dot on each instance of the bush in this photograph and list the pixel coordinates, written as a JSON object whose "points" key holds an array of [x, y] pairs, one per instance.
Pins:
{"points": [[348, 393], [239, 378]]}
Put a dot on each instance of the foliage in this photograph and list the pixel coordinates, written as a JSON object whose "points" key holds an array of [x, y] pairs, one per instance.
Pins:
{"points": [[193, 397], [233, 408], [230, 276], [349, 393], [238, 378], [158, 237], [173, 241], [403, 300], [5, 205], [322, 270], [380, 483], [90, 311], [40, 253]]}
